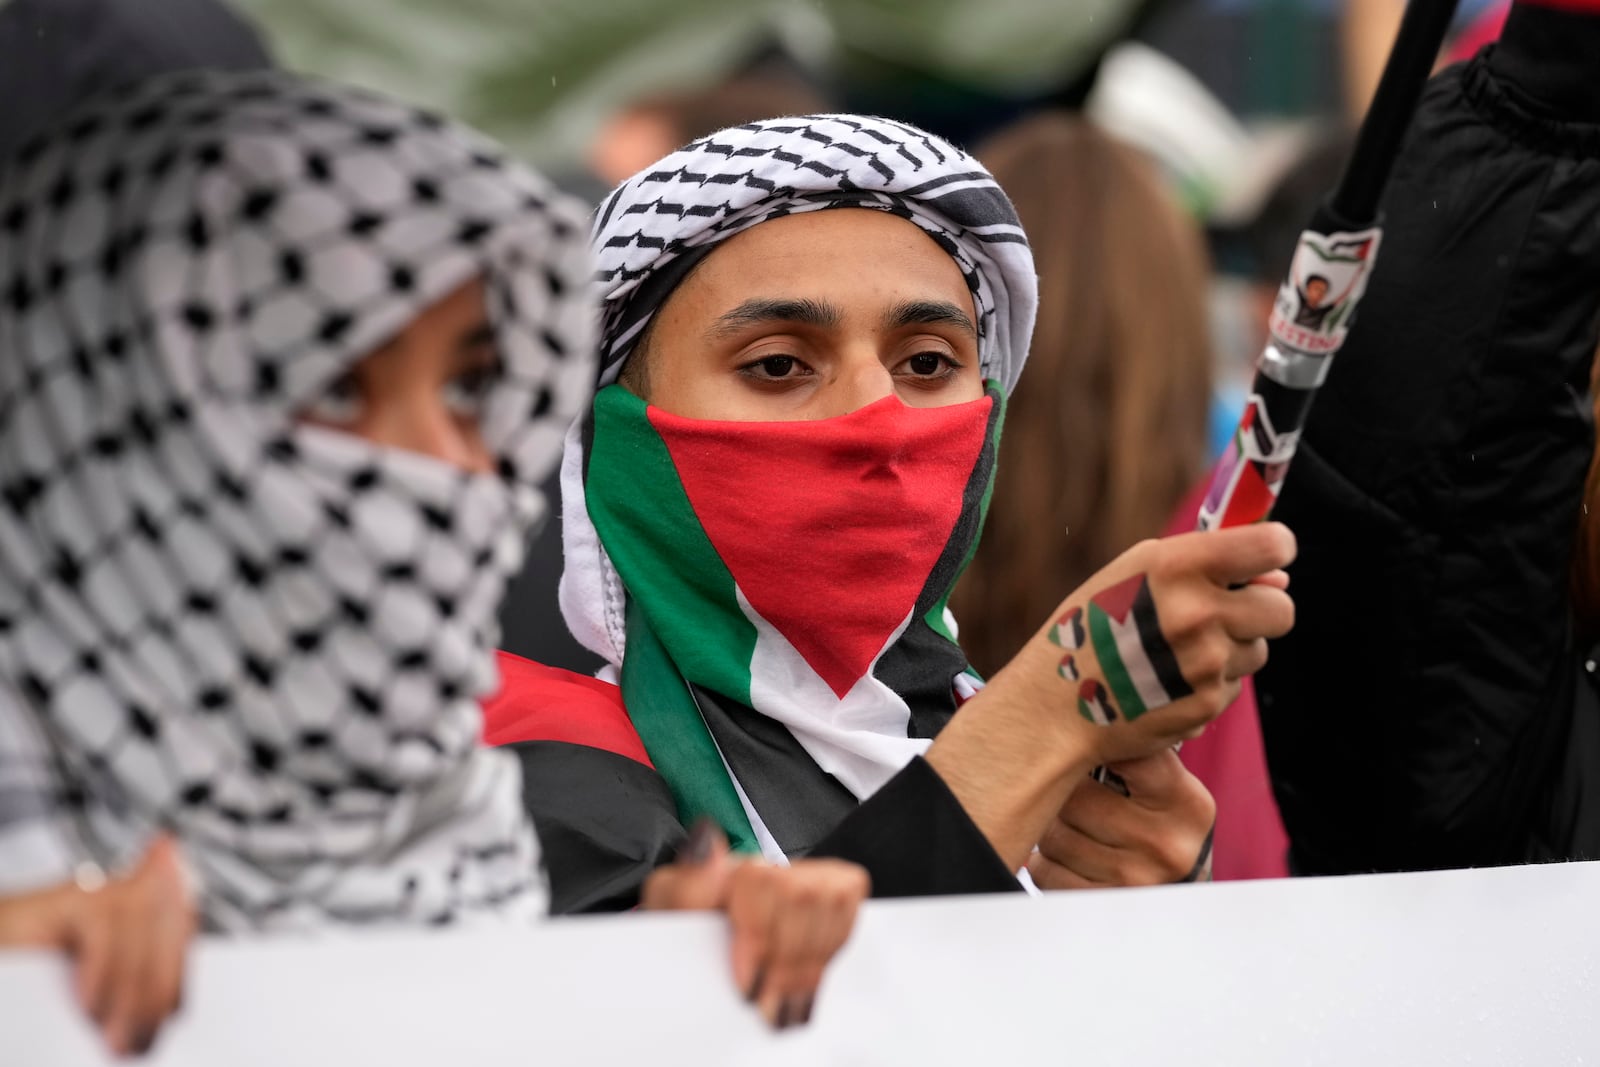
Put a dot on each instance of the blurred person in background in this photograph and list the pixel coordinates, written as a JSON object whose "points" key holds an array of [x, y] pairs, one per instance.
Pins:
{"points": [[1118, 393], [283, 362], [58, 52], [810, 328], [1445, 493], [1119, 375], [654, 126], [1367, 30]]}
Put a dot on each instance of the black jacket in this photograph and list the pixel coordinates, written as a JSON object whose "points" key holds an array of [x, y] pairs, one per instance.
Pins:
{"points": [[1432, 707]]}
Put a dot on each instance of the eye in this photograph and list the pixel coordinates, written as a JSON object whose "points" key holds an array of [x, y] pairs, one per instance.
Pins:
{"points": [[340, 404], [468, 392], [931, 365], [774, 368]]}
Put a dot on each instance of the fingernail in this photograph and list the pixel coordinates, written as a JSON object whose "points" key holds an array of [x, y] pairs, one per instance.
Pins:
{"points": [[805, 1008], [755, 985], [784, 1017], [142, 1043], [697, 847]]}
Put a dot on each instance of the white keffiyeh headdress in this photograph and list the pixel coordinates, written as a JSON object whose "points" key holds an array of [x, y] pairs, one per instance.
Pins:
{"points": [[267, 638]]}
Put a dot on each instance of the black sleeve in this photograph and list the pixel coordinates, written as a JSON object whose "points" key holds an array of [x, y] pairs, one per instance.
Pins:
{"points": [[606, 821], [1417, 715], [916, 840]]}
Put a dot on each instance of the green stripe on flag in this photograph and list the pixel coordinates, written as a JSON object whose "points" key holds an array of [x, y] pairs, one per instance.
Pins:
{"points": [[662, 552], [1129, 704], [693, 621], [674, 734]]}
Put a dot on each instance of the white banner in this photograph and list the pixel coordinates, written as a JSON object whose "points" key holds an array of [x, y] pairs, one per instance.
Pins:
{"points": [[1491, 966]]}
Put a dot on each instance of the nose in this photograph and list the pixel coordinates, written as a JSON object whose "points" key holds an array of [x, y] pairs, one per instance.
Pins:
{"points": [[422, 422], [861, 379]]}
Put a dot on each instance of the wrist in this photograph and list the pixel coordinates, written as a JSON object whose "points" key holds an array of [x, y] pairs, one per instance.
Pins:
{"points": [[1011, 756]]}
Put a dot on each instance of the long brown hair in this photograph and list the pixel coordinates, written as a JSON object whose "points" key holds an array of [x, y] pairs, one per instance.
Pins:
{"points": [[1586, 550], [1108, 429]]}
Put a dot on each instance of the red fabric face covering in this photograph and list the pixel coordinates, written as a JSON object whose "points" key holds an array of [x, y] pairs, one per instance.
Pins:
{"points": [[832, 527]]}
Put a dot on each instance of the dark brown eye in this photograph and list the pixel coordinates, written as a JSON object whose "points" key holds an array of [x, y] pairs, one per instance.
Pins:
{"points": [[468, 392], [926, 364], [777, 366], [341, 401]]}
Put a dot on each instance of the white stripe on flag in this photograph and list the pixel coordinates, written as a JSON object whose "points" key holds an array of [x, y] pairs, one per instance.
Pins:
{"points": [[860, 740]]}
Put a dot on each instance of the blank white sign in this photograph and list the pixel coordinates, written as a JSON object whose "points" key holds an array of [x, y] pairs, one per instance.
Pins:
{"points": [[1489, 967]]}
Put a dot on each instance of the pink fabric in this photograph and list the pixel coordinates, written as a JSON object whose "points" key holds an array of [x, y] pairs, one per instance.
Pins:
{"points": [[1479, 32], [1232, 762]]}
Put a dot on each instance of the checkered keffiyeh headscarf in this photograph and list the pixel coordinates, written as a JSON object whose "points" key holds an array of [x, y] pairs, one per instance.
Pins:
{"points": [[657, 225], [267, 638]]}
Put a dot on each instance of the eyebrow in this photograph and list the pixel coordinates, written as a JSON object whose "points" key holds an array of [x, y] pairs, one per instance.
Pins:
{"points": [[929, 313], [762, 310]]}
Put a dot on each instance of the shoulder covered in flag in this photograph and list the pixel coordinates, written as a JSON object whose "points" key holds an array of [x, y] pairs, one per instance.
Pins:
{"points": [[605, 818], [539, 703]]}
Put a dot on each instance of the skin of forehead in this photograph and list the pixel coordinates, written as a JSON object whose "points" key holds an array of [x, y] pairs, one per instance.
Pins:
{"points": [[817, 238]]}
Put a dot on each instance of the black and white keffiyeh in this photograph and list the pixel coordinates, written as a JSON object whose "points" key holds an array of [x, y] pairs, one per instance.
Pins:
{"points": [[268, 638], [656, 226]]}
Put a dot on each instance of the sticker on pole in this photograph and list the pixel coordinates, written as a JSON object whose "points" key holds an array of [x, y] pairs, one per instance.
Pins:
{"points": [[1317, 301], [1246, 481]]}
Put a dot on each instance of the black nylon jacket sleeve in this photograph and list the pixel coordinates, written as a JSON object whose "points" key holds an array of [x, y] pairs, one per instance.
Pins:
{"points": [[1421, 713], [606, 821]]}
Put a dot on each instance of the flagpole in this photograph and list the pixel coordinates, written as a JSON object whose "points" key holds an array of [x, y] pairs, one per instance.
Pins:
{"points": [[1317, 301]]}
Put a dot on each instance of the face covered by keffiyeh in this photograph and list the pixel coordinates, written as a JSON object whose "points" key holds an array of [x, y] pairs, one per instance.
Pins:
{"points": [[774, 593], [267, 638]]}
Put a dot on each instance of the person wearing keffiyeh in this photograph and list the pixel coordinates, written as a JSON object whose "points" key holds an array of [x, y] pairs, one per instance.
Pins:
{"points": [[282, 363], [810, 327]]}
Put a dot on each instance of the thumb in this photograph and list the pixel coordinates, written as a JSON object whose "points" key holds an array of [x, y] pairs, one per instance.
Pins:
{"points": [[162, 865]]}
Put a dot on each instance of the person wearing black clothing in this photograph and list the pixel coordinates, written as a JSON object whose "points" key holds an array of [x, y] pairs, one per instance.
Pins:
{"points": [[1436, 704]]}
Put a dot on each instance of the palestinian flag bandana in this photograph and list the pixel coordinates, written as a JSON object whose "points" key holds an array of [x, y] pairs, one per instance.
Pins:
{"points": [[789, 625], [773, 595]]}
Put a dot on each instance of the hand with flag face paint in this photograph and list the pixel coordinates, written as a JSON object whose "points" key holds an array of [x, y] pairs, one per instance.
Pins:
{"points": [[1155, 646], [786, 923], [1146, 654]]}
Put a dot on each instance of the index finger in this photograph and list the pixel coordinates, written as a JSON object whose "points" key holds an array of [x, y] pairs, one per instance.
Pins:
{"points": [[1236, 555], [751, 908]]}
